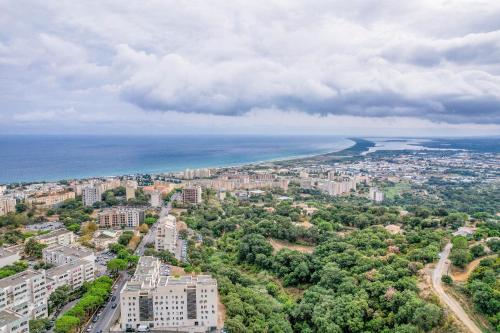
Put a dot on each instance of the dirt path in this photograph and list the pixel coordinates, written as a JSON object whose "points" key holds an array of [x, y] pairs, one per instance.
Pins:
{"points": [[278, 245], [443, 266], [461, 276]]}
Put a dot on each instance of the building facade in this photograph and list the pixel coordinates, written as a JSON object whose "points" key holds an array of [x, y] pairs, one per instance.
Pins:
{"points": [[57, 237], [73, 274], [49, 200], [121, 217], [166, 234], [191, 195], [61, 255], [187, 303], [25, 293], [12, 322], [7, 205], [91, 194]]}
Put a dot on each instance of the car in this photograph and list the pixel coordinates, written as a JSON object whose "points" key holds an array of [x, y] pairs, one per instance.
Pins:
{"points": [[114, 306], [113, 298], [95, 319]]}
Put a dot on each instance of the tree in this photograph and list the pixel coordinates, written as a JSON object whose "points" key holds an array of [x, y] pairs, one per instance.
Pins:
{"points": [[447, 279], [66, 324], [477, 251], [39, 325], [59, 297], [143, 228], [115, 265], [460, 257], [21, 207], [254, 248], [427, 316], [33, 249]]}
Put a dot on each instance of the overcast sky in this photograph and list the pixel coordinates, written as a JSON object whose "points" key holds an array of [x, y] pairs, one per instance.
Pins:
{"points": [[357, 67]]}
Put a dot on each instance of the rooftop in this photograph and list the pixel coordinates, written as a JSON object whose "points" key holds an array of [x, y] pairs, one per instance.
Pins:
{"points": [[19, 278], [54, 233], [8, 316], [66, 267], [69, 251]]}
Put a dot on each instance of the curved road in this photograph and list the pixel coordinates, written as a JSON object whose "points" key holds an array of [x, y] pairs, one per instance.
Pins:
{"points": [[441, 267]]}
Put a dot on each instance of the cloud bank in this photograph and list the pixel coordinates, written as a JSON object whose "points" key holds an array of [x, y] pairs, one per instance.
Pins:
{"points": [[93, 62]]}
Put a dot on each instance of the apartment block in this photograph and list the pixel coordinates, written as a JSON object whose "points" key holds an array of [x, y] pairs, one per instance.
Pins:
{"points": [[166, 234], [49, 200], [7, 205], [73, 274], [167, 303], [121, 217], [191, 195], [12, 322], [57, 237], [376, 195], [155, 199], [60, 255], [25, 293], [91, 194]]}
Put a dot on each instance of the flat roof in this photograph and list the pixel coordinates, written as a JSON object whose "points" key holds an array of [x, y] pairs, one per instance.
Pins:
{"points": [[69, 251], [66, 267], [8, 316], [54, 233], [18, 278]]}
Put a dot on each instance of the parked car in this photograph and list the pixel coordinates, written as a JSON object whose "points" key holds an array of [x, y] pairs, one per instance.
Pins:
{"points": [[114, 305]]}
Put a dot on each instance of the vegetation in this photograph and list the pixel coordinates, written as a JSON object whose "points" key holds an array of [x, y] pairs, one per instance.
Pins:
{"points": [[95, 295], [17, 267]]}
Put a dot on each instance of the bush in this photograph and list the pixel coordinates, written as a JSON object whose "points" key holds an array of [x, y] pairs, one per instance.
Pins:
{"points": [[447, 279]]}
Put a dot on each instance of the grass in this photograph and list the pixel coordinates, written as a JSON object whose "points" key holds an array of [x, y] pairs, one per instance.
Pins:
{"points": [[397, 189]]}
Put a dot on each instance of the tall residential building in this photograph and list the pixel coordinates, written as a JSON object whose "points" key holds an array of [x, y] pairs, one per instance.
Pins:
{"points": [[187, 303], [376, 195], [191, 195], [166, 234], [60, 255], [121, 217], [25, 293], [155, 200], [7, 205], [91, 194], [129, 192], [57, 237]]}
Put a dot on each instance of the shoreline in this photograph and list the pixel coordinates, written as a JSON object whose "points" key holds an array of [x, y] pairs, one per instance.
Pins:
{"points": [[225, 166]]}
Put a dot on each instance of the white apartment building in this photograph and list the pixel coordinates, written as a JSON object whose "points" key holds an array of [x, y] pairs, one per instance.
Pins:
{"points": [[9, 256], [166, 234], [12, 322], [49, 200], [57, 237], [73, 274], [7, 205], [60, 255], [25, 293], [121, 217], [91, 194], [187, 303], [376, 195], [155, 199]]}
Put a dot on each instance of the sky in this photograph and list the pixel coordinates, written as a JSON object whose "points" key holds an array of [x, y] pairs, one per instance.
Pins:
{"points": [[385, 68]]}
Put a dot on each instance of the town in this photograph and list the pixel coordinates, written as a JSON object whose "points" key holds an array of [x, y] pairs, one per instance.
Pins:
{"points": [[119, 254]]}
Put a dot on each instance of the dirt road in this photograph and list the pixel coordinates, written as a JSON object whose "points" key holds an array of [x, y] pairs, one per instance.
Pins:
{"points": [[442, 267]]}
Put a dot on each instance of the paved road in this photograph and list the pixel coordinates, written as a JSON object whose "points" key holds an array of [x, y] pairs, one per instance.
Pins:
{"points": [[442, 267], [108, 313]]}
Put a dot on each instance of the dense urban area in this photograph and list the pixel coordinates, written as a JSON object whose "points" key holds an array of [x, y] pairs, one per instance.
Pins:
{"points": [[361, 240]]}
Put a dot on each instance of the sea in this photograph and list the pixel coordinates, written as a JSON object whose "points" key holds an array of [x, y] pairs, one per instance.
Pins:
{"points": [[30, 158]]}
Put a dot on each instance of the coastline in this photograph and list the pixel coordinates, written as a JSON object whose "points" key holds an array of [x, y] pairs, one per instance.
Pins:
{"points": [[278, 160]]}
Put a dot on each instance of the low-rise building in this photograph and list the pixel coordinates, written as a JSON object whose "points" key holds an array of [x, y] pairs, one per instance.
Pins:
{"points": [[12, 322], [25, 293], [49, 200], [57, 237], [166, 234], [73, 274], [187, 303], [121, 217], [60, 255]]}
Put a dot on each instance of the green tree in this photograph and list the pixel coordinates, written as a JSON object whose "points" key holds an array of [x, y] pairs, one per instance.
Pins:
{"points": [[460, 257], [59, 297], [66, 324], [33, 248], [115, 265]]}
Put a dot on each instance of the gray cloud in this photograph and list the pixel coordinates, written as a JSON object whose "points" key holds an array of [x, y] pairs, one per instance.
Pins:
{"points": [[433, 60]]}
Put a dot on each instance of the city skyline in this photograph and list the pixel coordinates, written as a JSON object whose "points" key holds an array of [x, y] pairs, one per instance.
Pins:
{"points": [[367, 69]]}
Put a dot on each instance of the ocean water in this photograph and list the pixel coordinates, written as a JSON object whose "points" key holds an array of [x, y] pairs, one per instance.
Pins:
{"points": [[37, 158]]}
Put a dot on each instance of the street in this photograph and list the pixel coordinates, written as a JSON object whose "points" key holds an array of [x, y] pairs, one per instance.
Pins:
{"points": [[108, 314], [442, 267]]}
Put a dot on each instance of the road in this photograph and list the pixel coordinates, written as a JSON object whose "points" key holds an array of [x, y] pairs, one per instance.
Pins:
{"points": [[108, 313], [441, 267]]}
